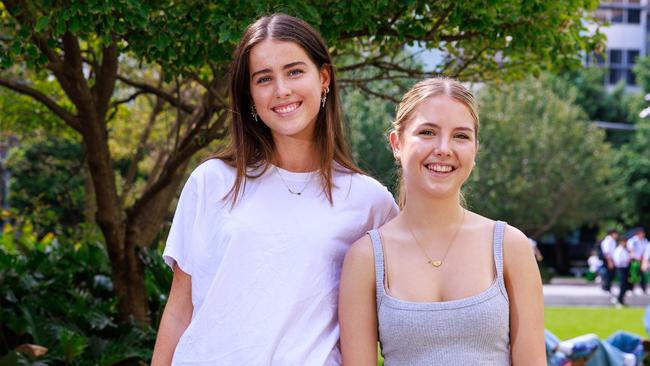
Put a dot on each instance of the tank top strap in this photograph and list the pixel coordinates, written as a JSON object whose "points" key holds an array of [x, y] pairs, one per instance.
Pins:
{"points": [[497, 245], [379, 265]]}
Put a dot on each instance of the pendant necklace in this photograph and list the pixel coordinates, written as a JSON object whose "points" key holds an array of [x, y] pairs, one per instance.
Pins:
{"points": [[297, 193], [436, 263]]}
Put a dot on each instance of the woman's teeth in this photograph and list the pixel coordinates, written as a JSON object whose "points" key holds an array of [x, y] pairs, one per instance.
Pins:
{"points": [[287, 108], [440, 168]]}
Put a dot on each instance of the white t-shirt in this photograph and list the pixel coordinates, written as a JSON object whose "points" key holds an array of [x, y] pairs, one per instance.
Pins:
{"points": [[637, 246], [621, 257], [265, 275], [607, 246]]}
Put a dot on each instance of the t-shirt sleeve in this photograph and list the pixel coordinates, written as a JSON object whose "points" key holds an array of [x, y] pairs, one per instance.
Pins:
{"points": [[179, 241], [387, 209]]}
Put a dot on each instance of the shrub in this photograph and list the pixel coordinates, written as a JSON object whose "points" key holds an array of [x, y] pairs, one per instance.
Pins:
{"points": [[57, 293]]}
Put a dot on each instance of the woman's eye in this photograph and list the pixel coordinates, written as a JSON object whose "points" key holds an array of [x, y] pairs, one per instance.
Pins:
{"points": [[295, 72], [462, 136], [427, 132], [263, 79]]}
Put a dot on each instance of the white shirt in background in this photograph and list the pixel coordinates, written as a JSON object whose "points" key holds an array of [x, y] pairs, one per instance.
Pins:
{"points": [[637, 246], [594, 263], [621, 257], [607, 246]]}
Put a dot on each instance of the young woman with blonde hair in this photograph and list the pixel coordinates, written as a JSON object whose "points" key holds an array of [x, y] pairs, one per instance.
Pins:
{"points": [[260, 230], [439, 284]]}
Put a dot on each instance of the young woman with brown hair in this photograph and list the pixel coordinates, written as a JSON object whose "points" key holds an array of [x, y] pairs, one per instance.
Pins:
{"points": [[260, 231]]}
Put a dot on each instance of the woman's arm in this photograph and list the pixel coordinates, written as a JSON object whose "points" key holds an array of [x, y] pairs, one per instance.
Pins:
{"points": [[175, 319], [524, 286], [357, 306]]}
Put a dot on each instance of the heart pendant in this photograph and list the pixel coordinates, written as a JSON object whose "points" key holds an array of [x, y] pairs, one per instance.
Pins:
{"points": [[436, 263]]}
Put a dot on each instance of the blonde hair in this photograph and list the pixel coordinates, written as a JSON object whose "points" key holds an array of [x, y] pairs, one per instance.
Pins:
{"points": [[429, 88]]}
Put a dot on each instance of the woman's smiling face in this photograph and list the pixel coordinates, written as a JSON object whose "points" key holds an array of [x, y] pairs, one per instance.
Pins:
{"points": [[437, 147], [286, 88]]}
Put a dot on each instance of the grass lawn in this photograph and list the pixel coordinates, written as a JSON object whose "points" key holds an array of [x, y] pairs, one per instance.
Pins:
{"points": [[569, 322]]}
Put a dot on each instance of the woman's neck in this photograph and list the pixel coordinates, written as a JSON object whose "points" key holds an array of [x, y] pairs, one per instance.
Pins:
{"points": [[296, 155], [427, 213]]}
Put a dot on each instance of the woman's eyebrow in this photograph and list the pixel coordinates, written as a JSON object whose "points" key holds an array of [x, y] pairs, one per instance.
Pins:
{"points": [[287, 66]]}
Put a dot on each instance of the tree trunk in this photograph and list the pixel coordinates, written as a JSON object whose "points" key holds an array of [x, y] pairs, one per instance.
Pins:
{"points": [[128, 283], [90, 206], [127, 268]]}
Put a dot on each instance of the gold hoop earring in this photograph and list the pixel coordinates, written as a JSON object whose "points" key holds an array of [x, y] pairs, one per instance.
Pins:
{"points": [[323, 99], [254, 112]]}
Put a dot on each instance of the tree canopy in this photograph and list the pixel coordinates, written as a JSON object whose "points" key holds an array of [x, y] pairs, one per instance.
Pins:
{"points": [[541, 165], [105, 55]]}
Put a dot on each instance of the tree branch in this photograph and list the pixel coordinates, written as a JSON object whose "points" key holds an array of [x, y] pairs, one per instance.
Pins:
{"points": [[139, 154], [69, 118], [187, 108], [187, 148], [440, 20], [106, 78], [367, 90], [128, 99]]}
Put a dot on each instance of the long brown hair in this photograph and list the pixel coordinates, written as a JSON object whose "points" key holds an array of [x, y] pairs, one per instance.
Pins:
{"points": [[421, 91], [251, 143]]}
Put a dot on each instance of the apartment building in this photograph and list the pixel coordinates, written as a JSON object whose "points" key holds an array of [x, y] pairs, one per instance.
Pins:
{"points": [[628, 37]]}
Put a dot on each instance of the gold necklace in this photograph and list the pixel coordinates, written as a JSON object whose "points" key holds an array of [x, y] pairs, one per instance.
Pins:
{"points": [[437, 263], [297, 193]]}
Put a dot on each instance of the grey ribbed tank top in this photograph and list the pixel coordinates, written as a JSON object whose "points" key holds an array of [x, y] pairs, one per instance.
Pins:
{"points": [[470, 331]]}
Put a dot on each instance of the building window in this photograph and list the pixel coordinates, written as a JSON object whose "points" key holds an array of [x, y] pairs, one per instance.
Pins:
{"points": [[631, 78], [632, 55], [619, 64], [627, 13], [615, 57], [616, 15], [616, 75]]}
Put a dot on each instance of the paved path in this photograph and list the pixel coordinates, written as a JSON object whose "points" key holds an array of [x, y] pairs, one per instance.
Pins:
{"points": [[579, 292]]}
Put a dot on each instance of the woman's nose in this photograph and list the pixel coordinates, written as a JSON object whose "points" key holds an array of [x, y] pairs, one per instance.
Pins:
{"points": [[282, 89], [442, 147]]}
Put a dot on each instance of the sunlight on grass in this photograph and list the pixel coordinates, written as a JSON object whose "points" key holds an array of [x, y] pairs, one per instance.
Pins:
{"points": [[569, 322]]}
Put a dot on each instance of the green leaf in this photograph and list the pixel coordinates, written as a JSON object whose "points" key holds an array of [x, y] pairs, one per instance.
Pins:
{"points": [[41, 23]]}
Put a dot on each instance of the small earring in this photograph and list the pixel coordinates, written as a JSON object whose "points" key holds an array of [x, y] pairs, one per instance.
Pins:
{"points": [[323, 99], [254, 112]]}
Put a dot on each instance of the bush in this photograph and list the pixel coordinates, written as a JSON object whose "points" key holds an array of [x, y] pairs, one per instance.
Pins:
{"points": [[47, 182], [57, 293]]}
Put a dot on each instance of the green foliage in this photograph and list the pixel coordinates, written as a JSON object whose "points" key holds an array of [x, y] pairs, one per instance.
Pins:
{"points": [[57, 293], [635, 167], [634, 160], [642, 73], [47, 181], [541, 166], [369, 122], [590, 94], [528, 36], [22, 115]]}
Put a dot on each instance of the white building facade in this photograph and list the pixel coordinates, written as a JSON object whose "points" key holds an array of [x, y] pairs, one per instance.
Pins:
{"points": [[628, 37]]}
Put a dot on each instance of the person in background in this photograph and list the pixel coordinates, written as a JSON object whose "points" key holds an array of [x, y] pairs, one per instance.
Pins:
{"points": [[637, 246], [595, 264], [622, 259], [607, 247]]}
